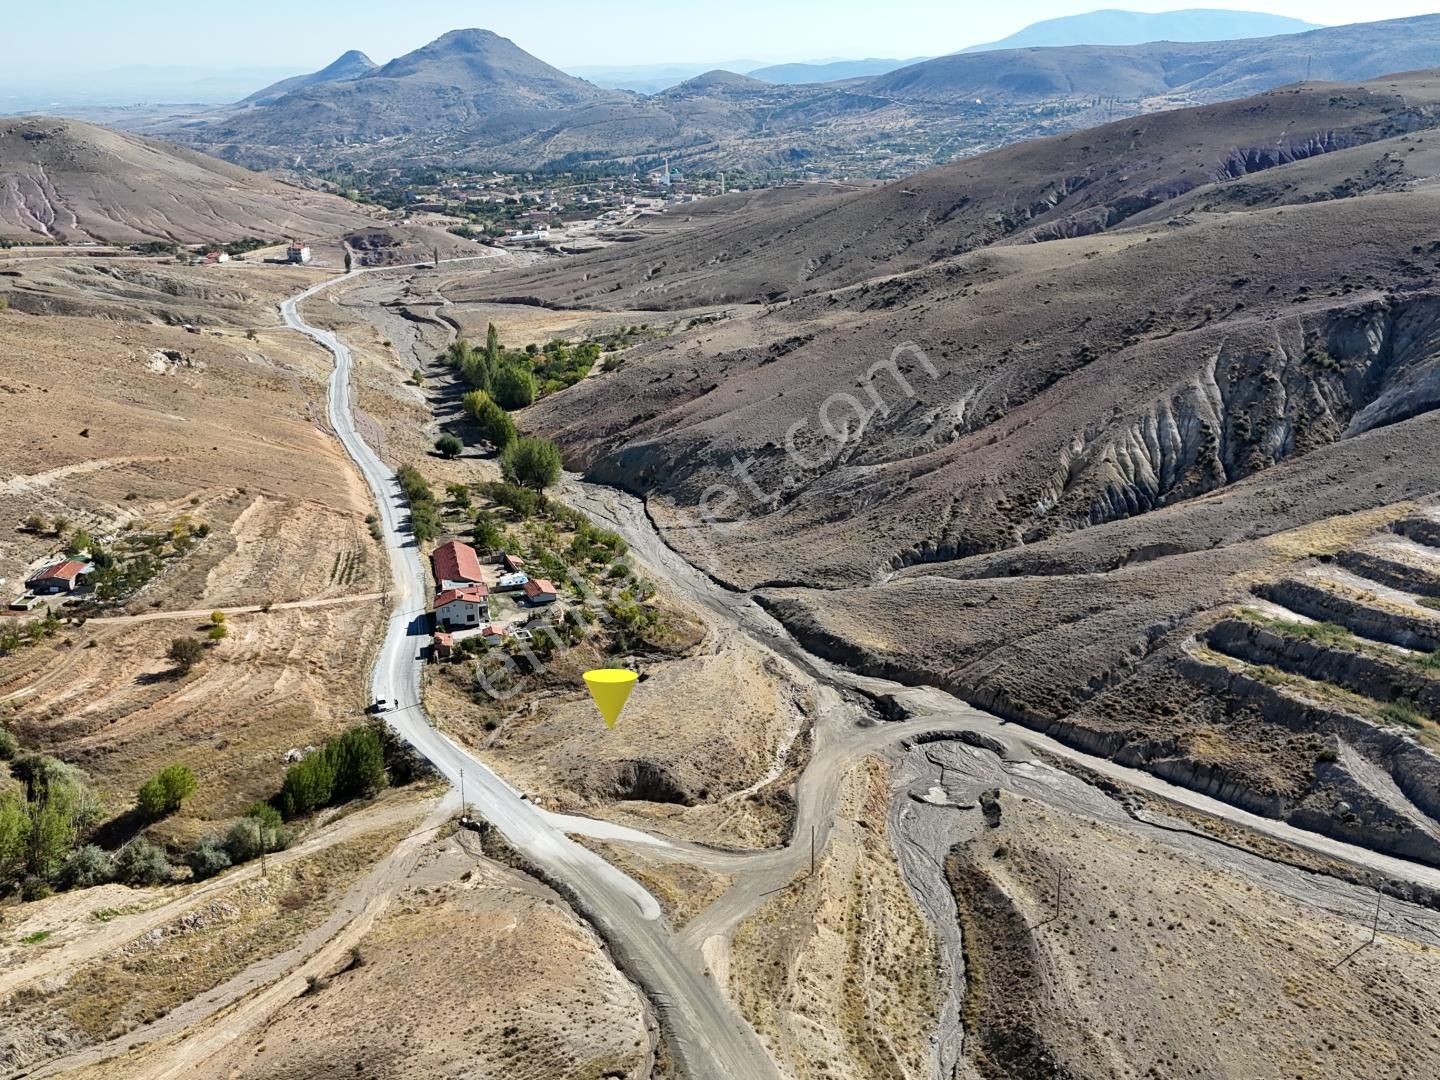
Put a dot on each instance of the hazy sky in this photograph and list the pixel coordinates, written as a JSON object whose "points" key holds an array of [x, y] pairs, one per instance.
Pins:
{"points": [[306, 34]]}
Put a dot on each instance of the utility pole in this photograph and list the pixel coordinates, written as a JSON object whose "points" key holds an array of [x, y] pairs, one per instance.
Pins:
{"points": [[812, 851], [1308, 61], [463, 814]]}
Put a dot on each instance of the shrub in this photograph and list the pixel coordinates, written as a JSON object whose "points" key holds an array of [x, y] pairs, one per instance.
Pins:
{"points": [[142, 863], [495, 424], [185, 653], [523, 502], [487, 534], [164, 792], [207, 858], [531, 462], [217, 617], [8, 745], [449, 446], [89, 866], [218, 633], [255, 835]]}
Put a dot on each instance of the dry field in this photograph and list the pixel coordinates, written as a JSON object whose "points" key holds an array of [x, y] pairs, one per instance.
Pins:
{"points": [[137, 428], [473, 970], [122, 979], [838, 972], [1159, 965], [718, 769]]}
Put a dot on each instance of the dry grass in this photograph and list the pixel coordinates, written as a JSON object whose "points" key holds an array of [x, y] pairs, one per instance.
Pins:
{"points": [[838, 973]]}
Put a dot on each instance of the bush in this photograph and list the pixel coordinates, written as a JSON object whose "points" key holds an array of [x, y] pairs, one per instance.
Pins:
{"points": [[8, 745], [185, 653], [256, 834], [487, 536], [142, 863], [164, 792], [207, 858], [89, 866], [524, 503], [218, 633], [531, 462], [449, 446], [495, 424], [217, 617]]}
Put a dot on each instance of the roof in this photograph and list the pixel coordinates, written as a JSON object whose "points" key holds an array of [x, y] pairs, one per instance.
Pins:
{"points": [[442, 638], [475, 595], [536, 586], [513, 560], [66, 571], [495, 630], [456, 562]]}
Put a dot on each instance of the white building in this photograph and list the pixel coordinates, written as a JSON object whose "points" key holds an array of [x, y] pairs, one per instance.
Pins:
{"points": [[461, 608]]}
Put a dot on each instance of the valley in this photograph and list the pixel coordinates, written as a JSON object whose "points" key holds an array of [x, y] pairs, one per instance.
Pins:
{"points": [[1030, 568]]}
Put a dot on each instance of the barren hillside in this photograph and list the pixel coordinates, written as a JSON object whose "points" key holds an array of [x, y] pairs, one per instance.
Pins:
{"points": [[64, 180]]}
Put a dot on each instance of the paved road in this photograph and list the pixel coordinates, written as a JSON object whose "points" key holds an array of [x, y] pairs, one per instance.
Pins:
{"points": [[708, 1036]]}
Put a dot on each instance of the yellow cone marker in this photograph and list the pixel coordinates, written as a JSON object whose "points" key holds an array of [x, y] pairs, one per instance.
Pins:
{"points": [[610, 687]]}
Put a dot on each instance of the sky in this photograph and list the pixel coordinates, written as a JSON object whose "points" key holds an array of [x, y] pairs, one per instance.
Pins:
{"points": [[301, 35]]}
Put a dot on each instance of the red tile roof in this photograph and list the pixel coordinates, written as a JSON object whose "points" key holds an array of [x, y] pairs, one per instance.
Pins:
{"points": [[536, 586], [495, 630], [68, 570], [474, 595], [456, 562]]}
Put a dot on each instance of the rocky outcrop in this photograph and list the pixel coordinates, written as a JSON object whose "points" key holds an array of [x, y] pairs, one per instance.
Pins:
{"points": [[1421, 529], [1377, 623]]}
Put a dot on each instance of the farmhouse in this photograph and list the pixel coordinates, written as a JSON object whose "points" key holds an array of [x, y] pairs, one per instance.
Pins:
{"points": [[457, 609], [61, 577], [539, 591], [456, 566]]}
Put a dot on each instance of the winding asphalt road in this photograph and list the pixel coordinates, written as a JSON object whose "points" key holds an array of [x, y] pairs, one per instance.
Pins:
{"points": [[707, 1035]]}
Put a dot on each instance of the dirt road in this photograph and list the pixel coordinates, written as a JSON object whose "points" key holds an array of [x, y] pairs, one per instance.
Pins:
{"points": [[707, 1034]]}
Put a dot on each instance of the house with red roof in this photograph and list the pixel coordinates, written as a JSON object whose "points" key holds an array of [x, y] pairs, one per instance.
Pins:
{"points": [[459, 609], [61, 577], [456, 566], [539, 591]]}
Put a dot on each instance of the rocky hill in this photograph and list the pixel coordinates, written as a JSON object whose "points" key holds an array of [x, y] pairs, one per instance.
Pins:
{"points": [[1028, 427], [349, 65], [71, 181]]}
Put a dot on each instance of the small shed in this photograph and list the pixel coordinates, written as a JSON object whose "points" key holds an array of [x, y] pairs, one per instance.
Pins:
{"points": [[540, 591]]}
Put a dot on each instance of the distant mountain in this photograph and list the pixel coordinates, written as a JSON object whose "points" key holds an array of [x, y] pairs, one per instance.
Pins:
{"points": [[1193, 71], [1115, 27], [473, 97], [833, 71], [651, 78], [350, 65], [71, 181], [472, 85]]}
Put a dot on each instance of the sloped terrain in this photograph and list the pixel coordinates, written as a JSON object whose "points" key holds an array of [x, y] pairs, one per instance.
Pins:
{"points": [[1034, 471], [1149, 168], [69, 181]]}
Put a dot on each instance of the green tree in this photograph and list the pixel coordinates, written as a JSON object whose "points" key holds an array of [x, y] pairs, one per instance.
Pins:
{"points": [[217, 617], [487, 534], [492, 344], [349, 262], [514, 387], [185, 653], [449, 446], [496, 426], [164, 792], [531, 462], [459, 495], [218, 633]]}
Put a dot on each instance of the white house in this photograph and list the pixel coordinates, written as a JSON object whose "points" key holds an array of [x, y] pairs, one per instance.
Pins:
{"points": [[460, 608]]}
